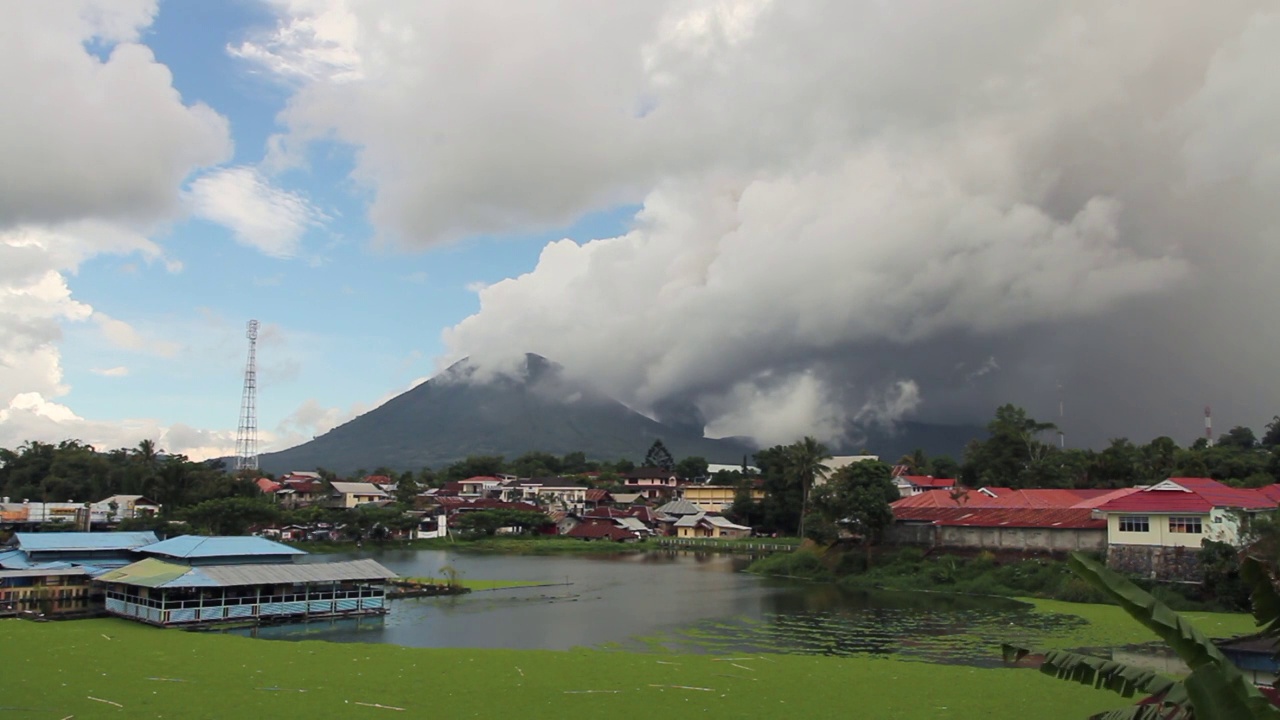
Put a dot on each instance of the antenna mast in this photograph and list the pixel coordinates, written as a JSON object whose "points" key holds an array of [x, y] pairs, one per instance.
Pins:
{"points": [[1062, 437], [1208, 425], [247, 433]]}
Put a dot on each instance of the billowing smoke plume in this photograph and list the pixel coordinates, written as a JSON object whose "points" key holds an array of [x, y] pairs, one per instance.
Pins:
{"points": [[852, 210]]}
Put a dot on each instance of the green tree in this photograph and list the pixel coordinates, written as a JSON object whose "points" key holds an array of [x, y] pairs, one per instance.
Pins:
{"points": [[1014, 446], [476, 466], [658, 456], [1271, 438], [1239, 437], [230, 516], [917, 462], [806, 461], [857, 498], [692, 467]]}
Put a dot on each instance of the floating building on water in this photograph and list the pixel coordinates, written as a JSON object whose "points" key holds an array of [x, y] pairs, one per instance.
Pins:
{"points": [[52, 573], [192, 581], [183, 581]]}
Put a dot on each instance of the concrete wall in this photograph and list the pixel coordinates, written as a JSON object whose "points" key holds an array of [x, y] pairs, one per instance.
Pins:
{"points": [[1007, 538]]}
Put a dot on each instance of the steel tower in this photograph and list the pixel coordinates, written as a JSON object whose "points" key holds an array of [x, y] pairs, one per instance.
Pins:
{"points": [[247, 433]]}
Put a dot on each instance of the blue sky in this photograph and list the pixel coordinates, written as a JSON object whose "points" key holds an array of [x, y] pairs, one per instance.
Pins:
{"points": [[794, 218]]}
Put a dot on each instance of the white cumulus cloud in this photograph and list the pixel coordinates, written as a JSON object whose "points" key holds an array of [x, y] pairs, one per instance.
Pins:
{"points": [[259, 214]]}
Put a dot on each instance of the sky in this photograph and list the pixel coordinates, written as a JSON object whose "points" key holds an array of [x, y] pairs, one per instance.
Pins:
{"points": [[758, 217]]}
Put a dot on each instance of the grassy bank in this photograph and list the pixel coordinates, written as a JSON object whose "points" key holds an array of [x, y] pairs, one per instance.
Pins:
{"points": [[116, 669], [517, 545], [910, 569]]}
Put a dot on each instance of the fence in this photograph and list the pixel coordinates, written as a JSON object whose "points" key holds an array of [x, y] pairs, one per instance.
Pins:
{"points": [[742, 546]]}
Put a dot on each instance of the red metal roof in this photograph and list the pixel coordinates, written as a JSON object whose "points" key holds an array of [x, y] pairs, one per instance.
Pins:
{"points": [[597, 495], [601, 531], [267, 485], [1191, 495], [929, 481], [1049, 518], [1004, 498]]}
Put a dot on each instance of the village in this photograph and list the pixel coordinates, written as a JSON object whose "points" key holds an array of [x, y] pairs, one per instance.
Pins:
{"points": [[70, 560]]}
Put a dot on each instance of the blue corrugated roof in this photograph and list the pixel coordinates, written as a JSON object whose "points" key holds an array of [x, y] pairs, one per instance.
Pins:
{"points": [[69, 541], [195, 546], [14, 560]]}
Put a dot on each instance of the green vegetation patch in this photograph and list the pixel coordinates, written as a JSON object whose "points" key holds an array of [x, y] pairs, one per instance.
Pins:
{"points": [[116, 669], [479, 585]]}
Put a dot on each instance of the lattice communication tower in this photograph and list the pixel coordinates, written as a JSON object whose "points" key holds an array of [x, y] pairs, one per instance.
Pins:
{"points": [[247, 432]]}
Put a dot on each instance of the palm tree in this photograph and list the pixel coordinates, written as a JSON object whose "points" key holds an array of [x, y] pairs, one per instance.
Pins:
{"points": [[807, 460]]}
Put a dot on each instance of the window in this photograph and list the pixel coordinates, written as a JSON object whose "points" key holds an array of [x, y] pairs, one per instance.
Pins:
{"points": [[1185, 525], [1135, 523]]}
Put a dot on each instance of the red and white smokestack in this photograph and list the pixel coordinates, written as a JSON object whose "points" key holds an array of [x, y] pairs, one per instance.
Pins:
{"points": [[1208, 424]]}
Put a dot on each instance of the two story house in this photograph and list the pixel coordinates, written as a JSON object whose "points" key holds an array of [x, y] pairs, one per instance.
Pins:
{"points": [[1157, 531]]}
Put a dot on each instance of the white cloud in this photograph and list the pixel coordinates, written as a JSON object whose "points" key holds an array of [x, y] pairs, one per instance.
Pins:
{"points": [[259, 214], [91, 161], [109, 139], [313, 41], [829, 187], [124, 336], [771, 409], [117, 371]]}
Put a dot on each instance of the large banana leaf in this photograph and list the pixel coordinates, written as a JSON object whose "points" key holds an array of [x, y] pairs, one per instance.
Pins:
{"points": [[1215, 690], [1168, 701], [1262, 595]]}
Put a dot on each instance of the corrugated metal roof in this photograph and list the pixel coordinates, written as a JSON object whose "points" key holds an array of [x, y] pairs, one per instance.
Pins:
{"points": [[1191, 495], [357, 488], [680, 507], [14, 560], [156, 573], [196, 546], [228, 575], [43, 572], [67, 541], [151, 572], [1050, 518]]}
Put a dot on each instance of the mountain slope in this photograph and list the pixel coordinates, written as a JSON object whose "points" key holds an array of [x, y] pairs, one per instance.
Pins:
{"points": [[458, 413]]}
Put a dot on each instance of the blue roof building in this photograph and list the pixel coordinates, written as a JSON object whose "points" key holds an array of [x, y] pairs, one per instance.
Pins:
{"points": [[83, 548], [198, 550]]}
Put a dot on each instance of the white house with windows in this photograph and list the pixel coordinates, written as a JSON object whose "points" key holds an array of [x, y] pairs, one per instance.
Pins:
{"points": [[1157, 532]]}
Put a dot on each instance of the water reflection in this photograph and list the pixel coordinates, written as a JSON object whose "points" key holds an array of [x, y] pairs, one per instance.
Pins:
{"points": [[685, 602]]}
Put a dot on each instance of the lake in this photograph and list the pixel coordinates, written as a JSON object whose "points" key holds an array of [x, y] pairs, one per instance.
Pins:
{"points": [[678, 601]]}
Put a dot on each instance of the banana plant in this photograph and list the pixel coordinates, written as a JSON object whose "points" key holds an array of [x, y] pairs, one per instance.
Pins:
{"points": [[1215, 689]]}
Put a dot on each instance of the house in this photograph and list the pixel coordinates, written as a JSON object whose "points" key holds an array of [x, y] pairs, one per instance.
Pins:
{"points": [[717, 498], [295, 493], [629, 498], [561, 493], [602, 532], [1156, 531], [651, 482], [597, 497], [915, 484], [704, 525], [479, 486], [128, 507], [351, 494]]}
